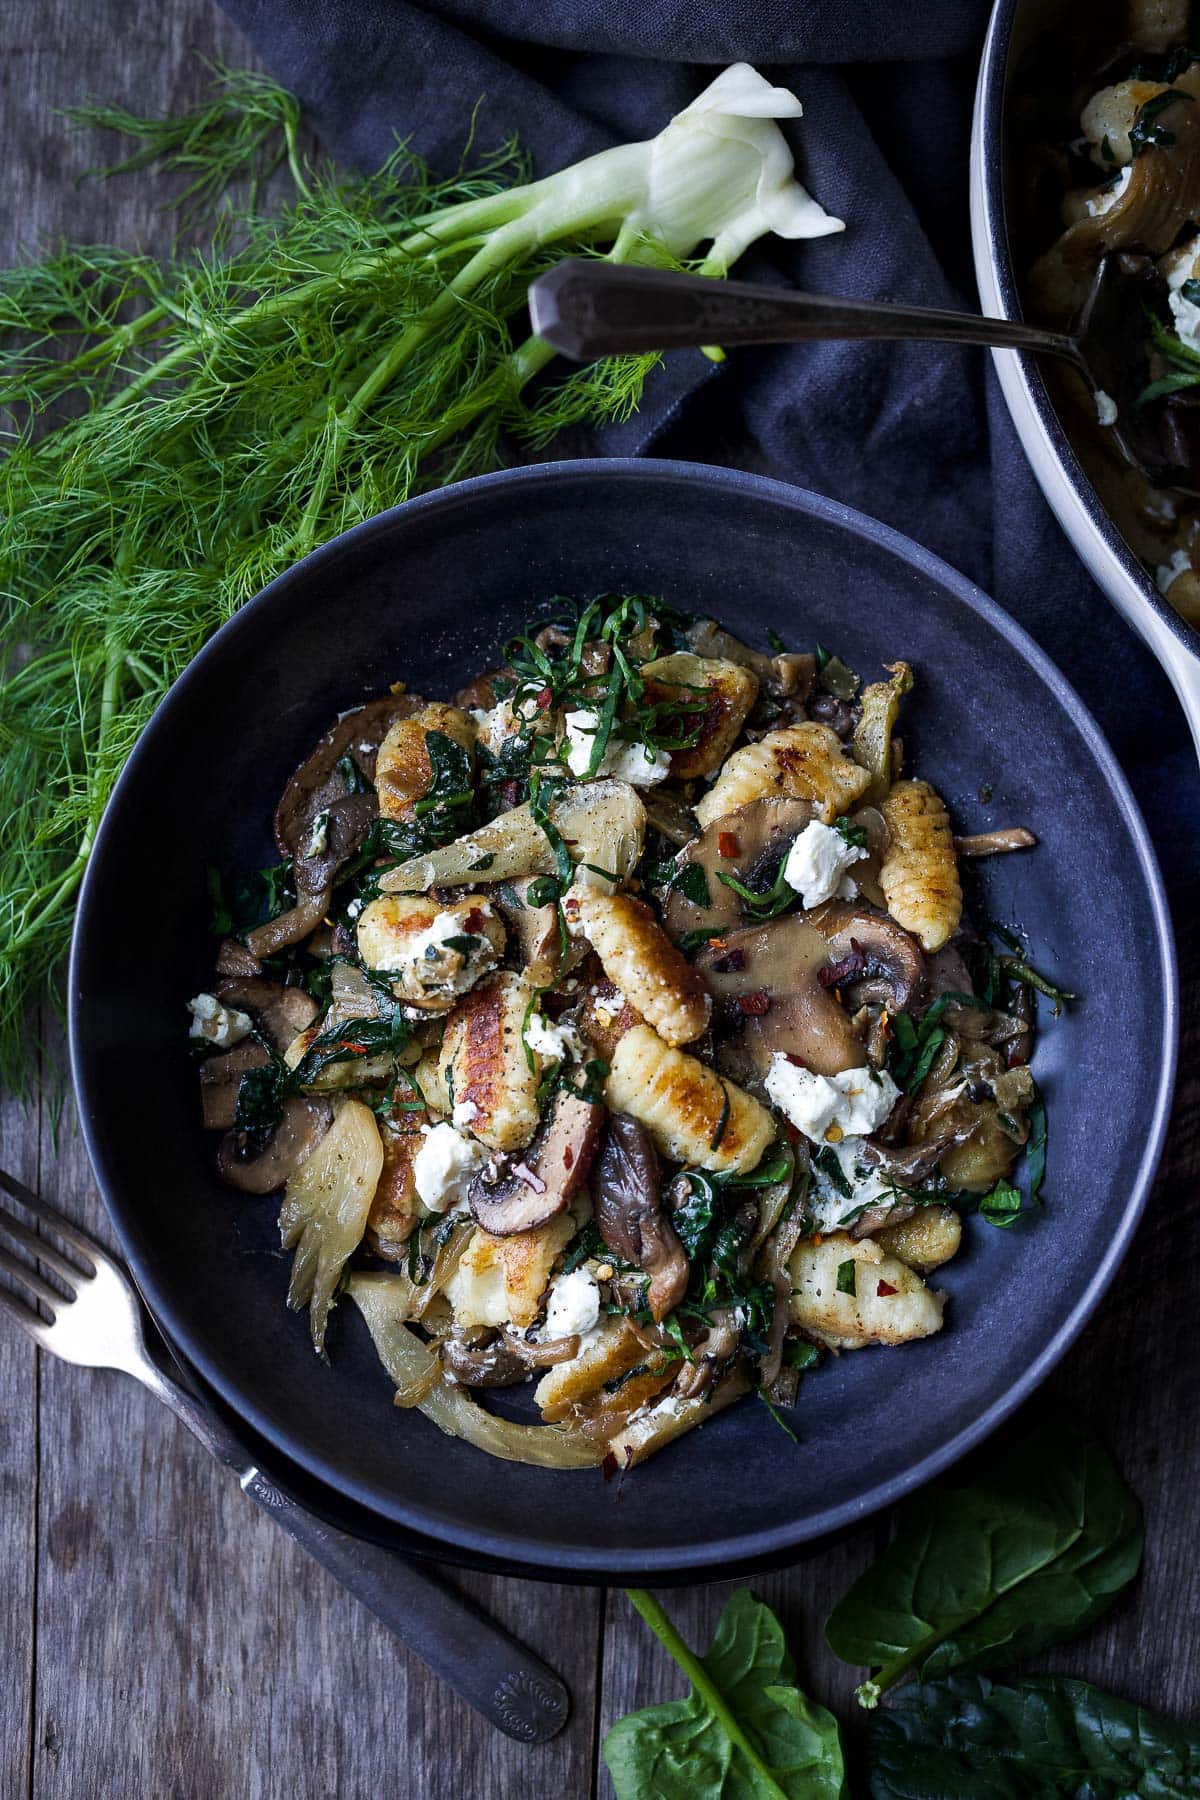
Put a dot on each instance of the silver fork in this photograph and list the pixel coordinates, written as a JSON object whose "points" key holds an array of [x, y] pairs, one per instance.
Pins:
{"points": [[98, 1324]]}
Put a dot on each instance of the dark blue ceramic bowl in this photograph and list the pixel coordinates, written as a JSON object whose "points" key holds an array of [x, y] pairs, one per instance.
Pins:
{"points": [[425, 594]]}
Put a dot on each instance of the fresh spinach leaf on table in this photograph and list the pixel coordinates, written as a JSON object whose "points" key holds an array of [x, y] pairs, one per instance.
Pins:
{"points": [[1048, 1738], [1033, 1551], [745, 1732]]}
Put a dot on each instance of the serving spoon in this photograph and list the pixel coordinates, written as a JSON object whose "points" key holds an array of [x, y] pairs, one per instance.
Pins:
{"points": [[588, 307]]}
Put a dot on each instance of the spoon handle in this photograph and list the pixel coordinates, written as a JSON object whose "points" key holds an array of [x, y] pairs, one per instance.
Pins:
{"points": [[588, 308]]}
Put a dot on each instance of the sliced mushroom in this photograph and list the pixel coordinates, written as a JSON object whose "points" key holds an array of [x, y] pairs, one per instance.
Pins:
{"points": [[344, 826], [220, 1079], [301, 1127], [536, 936], [629, 1213], [709, 1356], [506, 1360], [234, 959], [290, 927], [279, 1013], [872, 957], [995, 843], [749, 845], [669, 814], [769, 975], [318, 784], [782, 676], [529, 1193]]}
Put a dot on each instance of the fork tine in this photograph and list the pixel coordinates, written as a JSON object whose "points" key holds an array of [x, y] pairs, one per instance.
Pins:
{"points": [[42, 1248], [21, 1271], [23, 1315], [49, 1215]]}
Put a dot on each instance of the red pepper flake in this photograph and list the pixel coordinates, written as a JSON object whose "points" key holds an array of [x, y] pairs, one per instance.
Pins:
{"points": [[755, 1004], [544, 698], [727, 844], [474, 920], [885, 1290], [568, 1157], [730, 963], [798, 1061], [791, 1132], [529, 1178]]}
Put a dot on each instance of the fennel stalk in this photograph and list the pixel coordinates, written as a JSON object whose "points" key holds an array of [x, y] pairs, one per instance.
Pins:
{"points": [[179, 431]]}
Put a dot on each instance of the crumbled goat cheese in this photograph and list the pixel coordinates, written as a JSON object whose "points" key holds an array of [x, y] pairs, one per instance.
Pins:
{"points": [[507, 719], [318, 840], [354, 908], [223, 1026], [438, 966], [1100, 203], [574, 1308], [828, 1108], [443, 1167], [817, 862], [465, 1113], [827, 1204], [1106, 406], [622, 760], [557, 1043], [1179, 269], [1166, 573]]}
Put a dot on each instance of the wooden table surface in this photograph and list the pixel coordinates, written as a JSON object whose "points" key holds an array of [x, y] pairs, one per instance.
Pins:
{"points": [[158, 1636]]}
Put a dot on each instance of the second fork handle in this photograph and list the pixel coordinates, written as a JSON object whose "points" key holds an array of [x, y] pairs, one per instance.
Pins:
{"points": [[514, 1689], [588, 307]]}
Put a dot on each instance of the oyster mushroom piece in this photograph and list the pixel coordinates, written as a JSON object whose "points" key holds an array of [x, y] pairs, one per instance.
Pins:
{"points": [[629, 1212], [302, 1125], [539, 1187], [873, 958], [769, 975], [748, 844], [505, 1361]]}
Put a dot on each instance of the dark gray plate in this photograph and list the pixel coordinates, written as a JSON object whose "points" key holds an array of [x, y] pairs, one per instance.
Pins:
{"points": [[426, 594]]}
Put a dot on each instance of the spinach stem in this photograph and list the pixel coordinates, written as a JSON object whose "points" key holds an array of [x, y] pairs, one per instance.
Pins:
{"points": [[652, 1614]]}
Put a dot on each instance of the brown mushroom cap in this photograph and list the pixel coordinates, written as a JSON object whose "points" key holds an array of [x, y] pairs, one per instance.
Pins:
{"points": [[759, 836], [279, 1013], [630, 1215], [531, 1192], [220, 1079], [302, 1125], [883, 962], [777, 965]]}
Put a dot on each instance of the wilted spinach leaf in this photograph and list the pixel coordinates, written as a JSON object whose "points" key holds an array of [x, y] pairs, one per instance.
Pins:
{"points": [[1035, 1549], [745, 1732], [1047, 1736]]}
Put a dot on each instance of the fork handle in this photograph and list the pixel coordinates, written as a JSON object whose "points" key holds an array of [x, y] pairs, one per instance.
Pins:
{"points": [[587, 307], [493, 1672]]}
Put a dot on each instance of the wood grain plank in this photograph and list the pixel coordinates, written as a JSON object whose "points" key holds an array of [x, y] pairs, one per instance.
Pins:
{"points": [[18, 1494]]}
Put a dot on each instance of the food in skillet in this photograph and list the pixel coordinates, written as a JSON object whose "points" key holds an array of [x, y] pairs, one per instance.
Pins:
{"points": [[624, 1010], [1105, 117]]}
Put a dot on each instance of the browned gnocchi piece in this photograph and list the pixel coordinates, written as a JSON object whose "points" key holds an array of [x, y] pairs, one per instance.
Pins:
{"points": [[726, 691], [801, 762]]}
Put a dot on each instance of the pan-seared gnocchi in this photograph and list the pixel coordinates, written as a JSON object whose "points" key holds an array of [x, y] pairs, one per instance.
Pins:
{"points": [[636, 1043], [801, 762], [919, 871]]}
